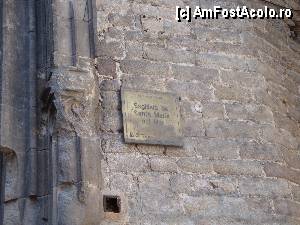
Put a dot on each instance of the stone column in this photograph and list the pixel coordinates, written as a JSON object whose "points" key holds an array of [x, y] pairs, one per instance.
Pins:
{"points": [[17, 113], [49, 172], [75, 162]]}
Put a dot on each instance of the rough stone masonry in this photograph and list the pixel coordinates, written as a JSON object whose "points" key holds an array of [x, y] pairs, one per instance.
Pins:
{"points": [[63, 159]]}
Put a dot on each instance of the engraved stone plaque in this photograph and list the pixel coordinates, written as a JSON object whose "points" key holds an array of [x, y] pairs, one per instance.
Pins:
{"points": [[151, 117]]}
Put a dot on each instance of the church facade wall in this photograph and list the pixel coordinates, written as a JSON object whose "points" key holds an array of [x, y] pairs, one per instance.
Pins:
{"points": [[239, 98]]}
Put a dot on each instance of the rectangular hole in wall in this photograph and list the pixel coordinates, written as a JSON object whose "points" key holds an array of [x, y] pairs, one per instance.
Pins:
{"points": [[112, 203]]}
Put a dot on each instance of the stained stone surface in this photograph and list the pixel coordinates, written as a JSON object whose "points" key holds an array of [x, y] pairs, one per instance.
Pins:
{"points": [[62, 66]]}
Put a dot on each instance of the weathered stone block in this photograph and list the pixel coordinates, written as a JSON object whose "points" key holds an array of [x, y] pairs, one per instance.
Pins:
{"points": [[144, 83], [106, 67], [189, 128], [254, 150], [123, 182], [110, 85], [207, 205], [264, 187], [213, 60], [181, 42], [255, 209], [172, 27], [163, 164], [252, 210], [114, 143], [279, 136], [216, 35], [67, 147], [195, 185], [154, 195], [292, 158], [286, 123], [151, 149], [213, 110], [186, 183], [238, 167], [191, 108], [248, 80], [274, 40], [113, 34], [192, 90], [276, 170], [111, 100], [12, 165], [121, 20], [69, 206], [152, 25], [111, 49], [233, 93], [111, 121], [11, 213], [143, 67], [134, 35], [168, 55], [223, 186], [231, 129], [127, 163], [134, 50], [264, 96], [225, 48], [13, 134], [214, 148], [90, 158], [287, 207], [189, 73], [62, 35], [195, 165], [256, 113], [296, 192], [184, 151]]}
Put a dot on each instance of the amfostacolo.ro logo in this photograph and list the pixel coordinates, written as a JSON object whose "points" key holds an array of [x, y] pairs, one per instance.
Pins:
{"points": [[240, 12]]}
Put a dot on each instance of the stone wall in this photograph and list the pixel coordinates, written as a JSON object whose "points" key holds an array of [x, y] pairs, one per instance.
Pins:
{"points": [[62, 152], [238, 81]]}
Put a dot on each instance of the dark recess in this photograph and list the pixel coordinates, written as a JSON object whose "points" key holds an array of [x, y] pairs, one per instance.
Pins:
{"points": [[112, 204]]}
